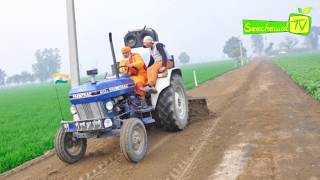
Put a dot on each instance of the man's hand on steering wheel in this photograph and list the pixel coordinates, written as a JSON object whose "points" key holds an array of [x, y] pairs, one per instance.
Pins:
{"points": [[129, 65]]}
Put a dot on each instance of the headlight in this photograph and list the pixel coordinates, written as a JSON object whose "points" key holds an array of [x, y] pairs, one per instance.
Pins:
{"points": [[109, 105], [107, 123], [73, 109]]}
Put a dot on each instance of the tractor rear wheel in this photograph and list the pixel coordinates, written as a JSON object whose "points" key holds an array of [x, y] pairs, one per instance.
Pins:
{"points": [[172, 106], [68, 148], [133, 140]]}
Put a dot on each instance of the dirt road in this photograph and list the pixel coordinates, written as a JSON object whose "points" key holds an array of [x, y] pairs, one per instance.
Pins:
{"points": [[262, 127]]}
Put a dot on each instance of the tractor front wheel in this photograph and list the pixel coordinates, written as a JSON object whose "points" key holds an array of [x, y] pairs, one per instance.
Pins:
{"points": [[133, 140], [68, 148]]}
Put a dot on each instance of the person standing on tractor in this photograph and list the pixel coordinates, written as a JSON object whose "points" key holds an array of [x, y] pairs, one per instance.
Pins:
{"points": [[160, 61], [133, 64]]}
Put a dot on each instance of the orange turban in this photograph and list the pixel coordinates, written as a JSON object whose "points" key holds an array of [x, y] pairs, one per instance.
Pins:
{"points": [[126, 49]]}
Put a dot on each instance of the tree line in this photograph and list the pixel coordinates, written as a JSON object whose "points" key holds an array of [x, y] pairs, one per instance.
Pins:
{"points": [[48, 61], [233, 46]]}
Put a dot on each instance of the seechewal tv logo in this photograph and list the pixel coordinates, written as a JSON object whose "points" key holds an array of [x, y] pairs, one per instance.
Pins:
{"points": [[297, 24]]}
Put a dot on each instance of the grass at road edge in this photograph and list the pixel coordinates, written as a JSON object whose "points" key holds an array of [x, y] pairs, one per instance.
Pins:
{"points": [[304, 69], [205, 71]]}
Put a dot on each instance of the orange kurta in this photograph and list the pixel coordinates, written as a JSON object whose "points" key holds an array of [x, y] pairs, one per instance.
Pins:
{"points": [[153, 71], [140, 78]]}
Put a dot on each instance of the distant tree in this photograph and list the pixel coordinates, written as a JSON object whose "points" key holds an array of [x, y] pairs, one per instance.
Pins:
{"points": [[184, 58], [16, 79], [9, 80], [312, 40], [257, 44], [48, 62], [289, 43], [32, 78], [232, 48], [26, 77], [269, 48], [21, 78], [3, 76]]}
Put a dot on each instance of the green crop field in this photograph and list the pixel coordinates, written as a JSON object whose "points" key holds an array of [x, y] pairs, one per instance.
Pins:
{"points": [[29, 119], [30, 115], [304, 69], [205, 71]]}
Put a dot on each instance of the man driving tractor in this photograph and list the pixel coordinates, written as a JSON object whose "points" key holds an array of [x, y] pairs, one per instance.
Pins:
{"points": [[133, 64], [160, 61]]}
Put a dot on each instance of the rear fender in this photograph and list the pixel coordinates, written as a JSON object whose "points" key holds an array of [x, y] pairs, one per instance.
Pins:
{"points": [[163, 83]]}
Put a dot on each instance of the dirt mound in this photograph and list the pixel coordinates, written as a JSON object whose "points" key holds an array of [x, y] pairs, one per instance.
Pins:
{"points": [[198, 108]]}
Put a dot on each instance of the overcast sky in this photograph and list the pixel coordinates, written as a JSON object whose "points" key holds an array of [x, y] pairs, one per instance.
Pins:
{"points": [[199, 27]]}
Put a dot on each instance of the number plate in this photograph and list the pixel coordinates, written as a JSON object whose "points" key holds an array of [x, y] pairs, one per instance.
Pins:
{"points": [[93, 125]]}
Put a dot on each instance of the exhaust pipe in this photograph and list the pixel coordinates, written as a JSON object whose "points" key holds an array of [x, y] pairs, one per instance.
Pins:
{"points": [[115, 65]]}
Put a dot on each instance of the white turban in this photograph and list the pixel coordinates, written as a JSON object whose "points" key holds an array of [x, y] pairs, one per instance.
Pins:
{"points": [[147, 39]]}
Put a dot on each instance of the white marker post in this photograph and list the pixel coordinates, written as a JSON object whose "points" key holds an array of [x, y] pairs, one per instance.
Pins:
{"points": [[73, 47], [195, 78]]}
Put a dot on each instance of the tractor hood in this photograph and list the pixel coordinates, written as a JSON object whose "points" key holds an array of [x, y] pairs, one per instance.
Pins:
{"points": [[102, 90]]}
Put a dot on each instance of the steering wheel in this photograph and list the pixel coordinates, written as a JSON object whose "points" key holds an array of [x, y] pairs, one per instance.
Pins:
{"points": [[130, 70]]}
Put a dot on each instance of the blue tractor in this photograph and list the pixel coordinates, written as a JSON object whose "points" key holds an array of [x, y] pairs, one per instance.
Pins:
{"points": [[109, 107]]}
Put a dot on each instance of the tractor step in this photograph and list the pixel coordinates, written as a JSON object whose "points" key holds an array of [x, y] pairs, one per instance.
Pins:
{"points": [[144, 110]]}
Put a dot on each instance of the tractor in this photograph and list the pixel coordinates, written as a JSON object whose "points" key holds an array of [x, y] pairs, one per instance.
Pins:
{"points": [[109, 107]]}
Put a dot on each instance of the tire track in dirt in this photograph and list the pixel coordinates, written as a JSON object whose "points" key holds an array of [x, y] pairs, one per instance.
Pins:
{"points": [[278, 121], [287, 121], [223, 144], [185, 165], [234, 161], [183, 172], [104, 165], [156, 137]]}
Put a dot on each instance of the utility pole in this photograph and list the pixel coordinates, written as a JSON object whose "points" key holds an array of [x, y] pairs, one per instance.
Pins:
{"points": [[241, 59], [73, 47], [264, 43]]}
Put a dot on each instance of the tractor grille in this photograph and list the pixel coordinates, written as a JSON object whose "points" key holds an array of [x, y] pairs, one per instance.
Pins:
{"points": [[93, 110]]}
